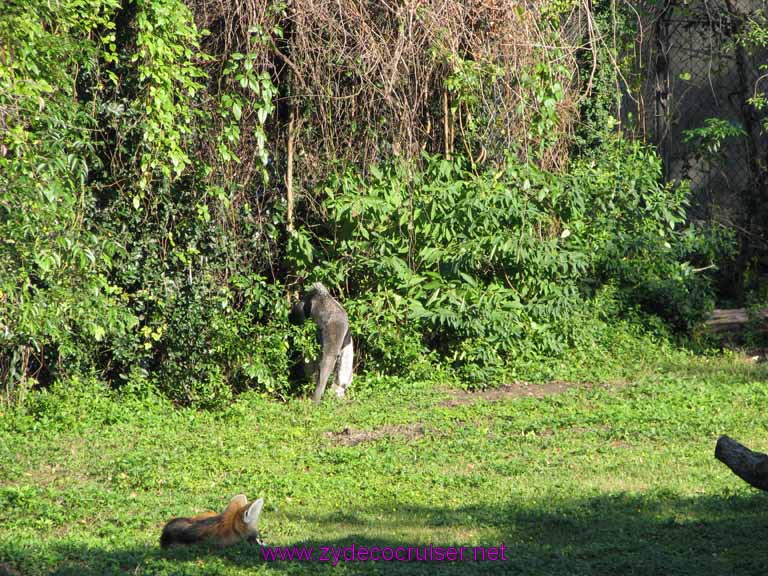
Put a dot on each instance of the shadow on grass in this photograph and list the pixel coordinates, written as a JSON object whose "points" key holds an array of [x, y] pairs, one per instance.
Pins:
{"points": [[610, 535]]}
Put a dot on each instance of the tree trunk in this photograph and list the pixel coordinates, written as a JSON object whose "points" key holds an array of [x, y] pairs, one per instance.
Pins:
{"points": [[752, 467]]}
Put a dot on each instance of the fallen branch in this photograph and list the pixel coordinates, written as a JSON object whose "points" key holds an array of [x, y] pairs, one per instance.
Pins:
{"points": [[752, 467], [734, 320]]}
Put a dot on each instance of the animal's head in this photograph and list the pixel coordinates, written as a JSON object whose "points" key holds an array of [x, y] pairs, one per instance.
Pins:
{"points": [[302, 309], [297, 315], [244, 517], [319, 288], [250, 517]]}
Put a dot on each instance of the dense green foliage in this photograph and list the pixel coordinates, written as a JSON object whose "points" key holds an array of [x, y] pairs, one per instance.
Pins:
{"points": [[111, 260], [142, 246], [752, 38], [516, 263], [56, 300]]}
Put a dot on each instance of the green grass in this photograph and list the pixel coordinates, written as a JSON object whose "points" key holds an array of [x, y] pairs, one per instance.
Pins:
{"points": [[607, 480]]}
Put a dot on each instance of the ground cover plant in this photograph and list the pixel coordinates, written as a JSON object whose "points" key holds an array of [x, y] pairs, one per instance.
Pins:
{"points": [[612, 476]]}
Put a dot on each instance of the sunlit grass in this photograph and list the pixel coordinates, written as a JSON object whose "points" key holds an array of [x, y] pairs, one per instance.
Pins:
{"points": [[594, 480]]}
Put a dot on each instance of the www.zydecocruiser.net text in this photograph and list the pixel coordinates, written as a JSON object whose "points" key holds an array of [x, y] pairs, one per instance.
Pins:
{"points": [[355, 553]]}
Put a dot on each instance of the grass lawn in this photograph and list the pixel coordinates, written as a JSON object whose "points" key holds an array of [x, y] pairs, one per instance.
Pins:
{"points": [[589, 479]]}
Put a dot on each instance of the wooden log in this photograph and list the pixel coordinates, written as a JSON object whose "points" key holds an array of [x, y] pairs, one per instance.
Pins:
{"points": [[750, 466], [727, 320], [731, 320]]}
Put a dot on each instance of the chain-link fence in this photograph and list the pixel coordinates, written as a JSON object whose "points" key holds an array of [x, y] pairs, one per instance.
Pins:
{"points": [[697, 78], [694, 106]]}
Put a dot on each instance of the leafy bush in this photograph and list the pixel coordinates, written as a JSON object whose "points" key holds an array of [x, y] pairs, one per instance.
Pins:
{"points": [[56, 299], [638, 235], [204, 343], [499, 265], [385, 338]]}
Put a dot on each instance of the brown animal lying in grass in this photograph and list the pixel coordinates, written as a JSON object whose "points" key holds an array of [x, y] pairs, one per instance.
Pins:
{"points": [[239, 521]]}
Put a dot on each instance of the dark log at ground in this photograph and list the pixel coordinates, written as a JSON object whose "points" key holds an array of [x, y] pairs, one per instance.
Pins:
{"points": [[752, 467], [731, 320]]}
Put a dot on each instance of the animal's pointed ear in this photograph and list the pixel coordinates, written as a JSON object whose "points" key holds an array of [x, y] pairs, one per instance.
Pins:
{"points": [[252, 514], [237, 502]]}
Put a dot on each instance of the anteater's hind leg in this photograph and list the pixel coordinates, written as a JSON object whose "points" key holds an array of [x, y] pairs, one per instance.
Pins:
{"points": [[344, 370]]}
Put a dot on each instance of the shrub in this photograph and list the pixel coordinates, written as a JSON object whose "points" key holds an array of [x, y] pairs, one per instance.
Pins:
{"points": [[56, 301], [495, 266]]}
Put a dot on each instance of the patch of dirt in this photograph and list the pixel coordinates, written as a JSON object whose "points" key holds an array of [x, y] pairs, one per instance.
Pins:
{"points": [[350, 437], [520, 390], [50, 473]]}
